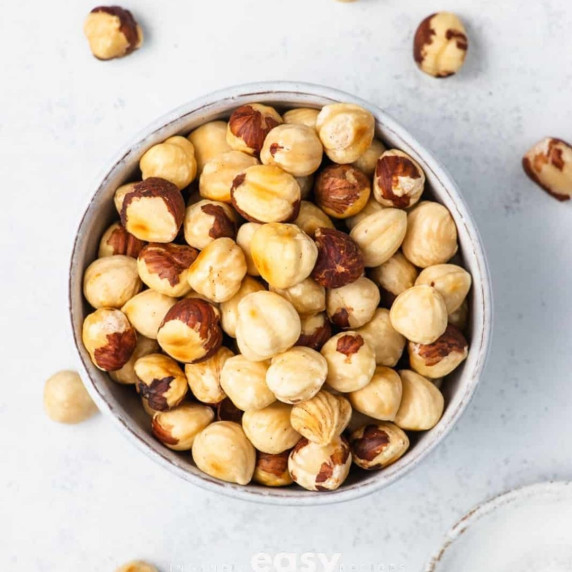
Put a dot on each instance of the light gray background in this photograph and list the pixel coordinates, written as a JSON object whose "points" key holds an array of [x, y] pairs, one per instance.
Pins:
{"points": [[81, 498]]}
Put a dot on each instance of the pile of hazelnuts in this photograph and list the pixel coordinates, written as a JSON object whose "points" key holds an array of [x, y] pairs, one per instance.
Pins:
{"points": [[261, 286]]}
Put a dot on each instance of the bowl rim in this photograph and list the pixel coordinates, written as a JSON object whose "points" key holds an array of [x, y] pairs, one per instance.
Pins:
{"points": [[481, 345]]}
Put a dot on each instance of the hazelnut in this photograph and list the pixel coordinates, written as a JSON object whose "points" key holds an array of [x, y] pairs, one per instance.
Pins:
{"points": [[322, 418], [109, 338], [111, 281], [353, 305], [229, 309], [351, 362], [223, 451], [294, 148], [346, 131], [178, 427], [283, 254], [120, 193], [173, 160], [442, 356], [394, 277], [311, 218], [440, 44], [269, 429], [206, 221], [66, 400], [422, 403], [272, 470], [450, 280], [165, 268], [431, 235], [371, 207], [116, 240], [153, 211], [267, 325], [147, 310], [266, 193], [342, 191], [306, 185], [386, 343], [367, 162], [244, 382], [460, 316], [340, 260], [137, 566], [381, 397], [549, 165], [190, 331], [204, 377], [380, 235], [209, 141], [308, 297], [160, 381], [126, 375], [112, 32], [316, 331], [378, 445], [320, 467], [226, 410], [249, 125], [399, 180], [243, 239], [302, 116], [218, 271]]}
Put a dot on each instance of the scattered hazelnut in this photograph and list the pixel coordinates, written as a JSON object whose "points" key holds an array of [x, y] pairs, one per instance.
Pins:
{"points": [[147, 310], [137, 566], [229, 309], [460, 316], [226, 410], [450, 280], [66, 400], [272, 470], [306, 185], [206, 221], [249, 125], [308, 297], [378, 445], [120, 193], [204, 377], [209, 141], [178, 427], [386, 343], [244, 239], [316, 331], [126, 375], [302, 116], [394, 277], [371, 207], [367, 162], [116, 240], [353, 305], [311, 218]]}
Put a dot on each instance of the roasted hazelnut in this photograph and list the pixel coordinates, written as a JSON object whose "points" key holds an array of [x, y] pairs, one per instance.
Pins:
{"points": [[126, 375], [440, 44], [431, 235], [367, 162], [422, 403], [147, 310], [316, 331], [178, 427], [549, 165], [399, 180], [378, 445], [351, 362], [137, 566], [160, 381], [342, 191], [320, 467], [460, 316], [249, 125], [294, 148], [381, 397], [209, 141], [229, 309], [204, 377], [308, 297], [223, 451], [267, 325], [112, 32], [339, 261], [153, 210], [346, 131], [190, 331], [394, 277], [450, 280], [272, 470], [306, 185], [66, 400], [116, 240], [371, 207], [311, 218], [173, 160], [244, 239], [386, 343], [269, 429], [120, 193], [321, 418], [266, 193], [283, 254], [302, 116], [109, 338], [380, 235], [110, 281], [206, 221], [353, 305]]}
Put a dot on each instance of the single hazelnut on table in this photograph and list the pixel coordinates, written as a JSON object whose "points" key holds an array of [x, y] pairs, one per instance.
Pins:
{"points": [[306, 185], [204, 377], [147, 310], [377, 445], [223, 451], [302, 116], [66, 400], [450, 280], [460, 316], [244, 239], [116, 240], [209, 141], [367, 162], [229, 309], [352, 305], [137, 566], [311, 218], [120, 193], [346, 131], [272, 470], [371, 207], [178, 427], [316, 331], [308, 297], [208, 220], [126, 375], [226, 410], [109, 338], [394, 277], [112, 32], [386, 343]]}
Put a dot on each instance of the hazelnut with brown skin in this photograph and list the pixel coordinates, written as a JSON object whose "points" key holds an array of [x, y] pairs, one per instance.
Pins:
{"points": [[226, 410], [311, 218], [66, 400], [394, 277], [178, 427], [137, 566], [147, 310], [209, 141], [308, 297], [272, 470], [302, 116], [316, 331], [367, 162], [206, 221], [120, 193], [204, 377], [126, 375], [244, 240], [229, 309], [353, 305], [450, 280], [116, 240], [384, 340], [377, 445]]}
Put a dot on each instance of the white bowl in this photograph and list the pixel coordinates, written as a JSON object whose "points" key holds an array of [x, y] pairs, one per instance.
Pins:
{"points": [[123, 405]]}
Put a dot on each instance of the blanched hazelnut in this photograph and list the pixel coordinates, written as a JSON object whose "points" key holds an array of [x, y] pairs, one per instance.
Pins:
{"points": [[346, 131], [109, 338], [111, 281], [422, 403], [351, 362], [367, 162], [399, 180], [244, 239], [394, 277], [320, 467], [311, 218], [137, 566], [378, 445], [204, 377], [178, 427], [269, 429], [116, 240], [283, 254], [450, 280], [223, 451], [419, 314], [380, 235], [306, 185], [206, 221], [371, 207], [66, 400], [386, 343], [431, 235], [353, 305], [381, 397], [460, 316], [308, 297], [120, 193], [316, 331], [249, 125], [440, 44], [209, 141], [126, 375], [190, 331], [302, 116], [266, 193], [272, 470], [229, 309], [267, 325], [112, 32], [147, 310]]}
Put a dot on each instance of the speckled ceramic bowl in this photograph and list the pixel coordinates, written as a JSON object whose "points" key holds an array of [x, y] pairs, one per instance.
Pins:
{"points": [[123, 405]]}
